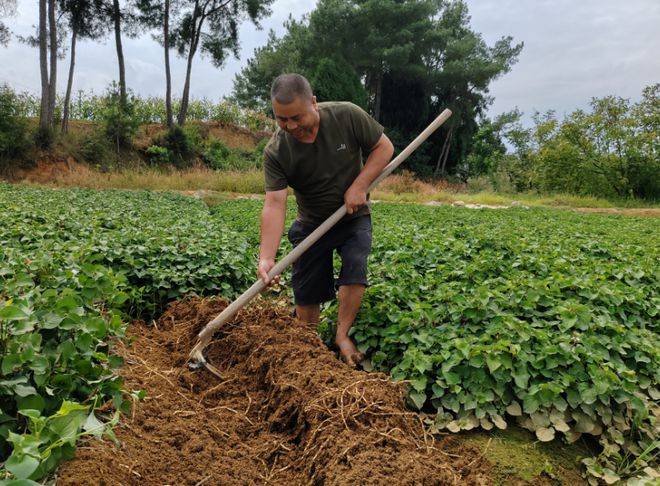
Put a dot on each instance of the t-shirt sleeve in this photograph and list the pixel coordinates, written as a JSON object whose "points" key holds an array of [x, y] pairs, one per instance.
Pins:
{"points": [[367, 130], [273, 174]]}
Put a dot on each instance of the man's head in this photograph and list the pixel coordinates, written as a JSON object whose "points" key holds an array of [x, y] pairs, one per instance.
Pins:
{"points": [[294, 106]]}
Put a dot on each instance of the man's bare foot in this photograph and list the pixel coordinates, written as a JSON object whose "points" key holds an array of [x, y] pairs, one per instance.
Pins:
{"points": [[348, 352]]}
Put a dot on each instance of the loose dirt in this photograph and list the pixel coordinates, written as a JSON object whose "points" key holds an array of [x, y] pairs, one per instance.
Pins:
{"points": [[232, 135], [286, 412]]}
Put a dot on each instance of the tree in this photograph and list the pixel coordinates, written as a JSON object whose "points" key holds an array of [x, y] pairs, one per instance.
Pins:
{"points": [[488, 148], [278, 56], [86, 20], [335, 79], [460, 68], [48, 39], [157, 14], [7, 9], [47, 47], [211, 27], [414, 57]]}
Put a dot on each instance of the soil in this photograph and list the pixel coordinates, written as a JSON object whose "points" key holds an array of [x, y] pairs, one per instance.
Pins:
{"points": [[649, 212], [47, 169], [286, 411], [231, 135]]}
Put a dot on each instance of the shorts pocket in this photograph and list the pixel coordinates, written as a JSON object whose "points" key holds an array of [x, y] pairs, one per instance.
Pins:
{"points": [[296, 233]]}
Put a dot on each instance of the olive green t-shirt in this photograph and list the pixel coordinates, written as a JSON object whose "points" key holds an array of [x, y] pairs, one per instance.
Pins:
{"points": [[320, 172]]}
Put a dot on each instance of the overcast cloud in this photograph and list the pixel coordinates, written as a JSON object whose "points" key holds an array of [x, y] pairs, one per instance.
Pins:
{"points": [[573, 51]]}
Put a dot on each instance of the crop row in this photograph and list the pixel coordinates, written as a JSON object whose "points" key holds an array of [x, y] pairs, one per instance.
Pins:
{"points": [[545, 317], [74, 266]]}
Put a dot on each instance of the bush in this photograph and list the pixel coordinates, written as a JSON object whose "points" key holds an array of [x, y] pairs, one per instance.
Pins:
{"points": [[502, 182], [118, 119], [180, 147], [220, 157], [97, 150], [158, 155], [479, 184], [13, 129], [43, 137]]}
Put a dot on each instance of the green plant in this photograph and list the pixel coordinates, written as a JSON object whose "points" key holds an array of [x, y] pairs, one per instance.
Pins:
{"points": [[13, 128], [98, 151], [158, 155], [74, 263], [43, 137], [220, 157], [117, 117], [52, 439], [179, 145], [479, 184]]}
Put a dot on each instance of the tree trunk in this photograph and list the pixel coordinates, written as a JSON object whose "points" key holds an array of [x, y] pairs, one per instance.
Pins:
{"points": [[436, 171], [168, 75], [194, 37], [446, 155], [52, 82], [377, 100], [116, 14], [43, 64], [69, 84]]}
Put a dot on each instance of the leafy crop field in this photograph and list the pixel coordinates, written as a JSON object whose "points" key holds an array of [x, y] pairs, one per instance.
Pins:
{"points": [[547, 318]]}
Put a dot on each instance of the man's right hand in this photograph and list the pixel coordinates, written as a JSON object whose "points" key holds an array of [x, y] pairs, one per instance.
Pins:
{"points": [[265, 264]]}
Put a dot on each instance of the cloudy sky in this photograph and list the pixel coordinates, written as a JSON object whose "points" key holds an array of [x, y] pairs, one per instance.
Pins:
{"points": [[573, 51]]}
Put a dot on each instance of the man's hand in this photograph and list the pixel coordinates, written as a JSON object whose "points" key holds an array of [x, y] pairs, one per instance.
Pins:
{"points": [[354, 198], [265, 264]]}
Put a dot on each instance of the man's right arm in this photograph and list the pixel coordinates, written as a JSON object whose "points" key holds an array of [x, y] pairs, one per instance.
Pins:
{"points": [[272, 228]]}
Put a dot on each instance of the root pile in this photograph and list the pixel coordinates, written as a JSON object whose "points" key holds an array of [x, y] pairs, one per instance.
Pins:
{"points": [[286, 412]]}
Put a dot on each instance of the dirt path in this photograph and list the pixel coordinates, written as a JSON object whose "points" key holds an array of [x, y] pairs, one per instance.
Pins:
{"points": [[287, 412], [649, 212]]}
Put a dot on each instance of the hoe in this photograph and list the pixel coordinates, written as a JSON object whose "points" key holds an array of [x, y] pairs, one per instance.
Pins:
{"points": [[205, 335]]}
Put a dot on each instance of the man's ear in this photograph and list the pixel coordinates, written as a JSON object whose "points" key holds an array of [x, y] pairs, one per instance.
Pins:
{"points": [[314, 103]]}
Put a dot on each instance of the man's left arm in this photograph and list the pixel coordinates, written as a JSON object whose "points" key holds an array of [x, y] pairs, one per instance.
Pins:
{"points": [[379, 156]]}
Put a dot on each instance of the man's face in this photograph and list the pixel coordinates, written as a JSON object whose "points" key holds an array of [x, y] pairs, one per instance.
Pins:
{"points": [[300, 118]]}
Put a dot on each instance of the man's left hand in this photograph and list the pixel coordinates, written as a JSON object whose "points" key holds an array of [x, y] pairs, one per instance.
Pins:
{"points": [[355, 198]]}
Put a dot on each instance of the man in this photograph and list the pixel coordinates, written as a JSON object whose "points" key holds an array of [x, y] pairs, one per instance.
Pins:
{"points": [[317, 151]]}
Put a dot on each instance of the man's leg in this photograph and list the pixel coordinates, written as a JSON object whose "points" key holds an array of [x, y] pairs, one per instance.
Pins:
{"points": [[350, 299], [310, 314]]}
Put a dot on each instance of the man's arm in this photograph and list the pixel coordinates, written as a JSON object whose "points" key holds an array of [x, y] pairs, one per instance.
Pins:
{"points": [[379, 157], [272, 228]]}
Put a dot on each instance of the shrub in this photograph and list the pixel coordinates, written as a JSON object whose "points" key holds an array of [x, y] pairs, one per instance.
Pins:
{"points": [[479, 184], [220, 157], [158, 155], [43, 137], [181, 150], [13, 130], [118, 119], [97, 150]]}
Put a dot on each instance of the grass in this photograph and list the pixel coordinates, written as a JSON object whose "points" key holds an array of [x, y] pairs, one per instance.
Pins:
{"points": [[396, 188], [194, 179], [517, 457]]}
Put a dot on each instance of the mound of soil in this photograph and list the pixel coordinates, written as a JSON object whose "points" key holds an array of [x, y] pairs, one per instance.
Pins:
{"points": [[233, 136], [286, 412]]}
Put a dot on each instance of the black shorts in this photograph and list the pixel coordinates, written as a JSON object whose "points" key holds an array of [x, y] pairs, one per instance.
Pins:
{"points": [[312, 274]]}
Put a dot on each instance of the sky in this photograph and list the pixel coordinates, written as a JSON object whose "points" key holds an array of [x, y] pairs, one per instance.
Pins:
{"points": [[574, 51]]}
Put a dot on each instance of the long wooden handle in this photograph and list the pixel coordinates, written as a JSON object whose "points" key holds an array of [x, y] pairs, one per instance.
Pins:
{"points": [[207, 333]]}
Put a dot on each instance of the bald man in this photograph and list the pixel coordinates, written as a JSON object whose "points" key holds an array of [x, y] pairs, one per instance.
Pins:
{"points": [[318, 151]]}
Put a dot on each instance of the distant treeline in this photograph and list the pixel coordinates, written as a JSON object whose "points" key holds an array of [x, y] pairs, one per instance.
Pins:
{"points": [[90, 107], [611, 150], [403, 61]]}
